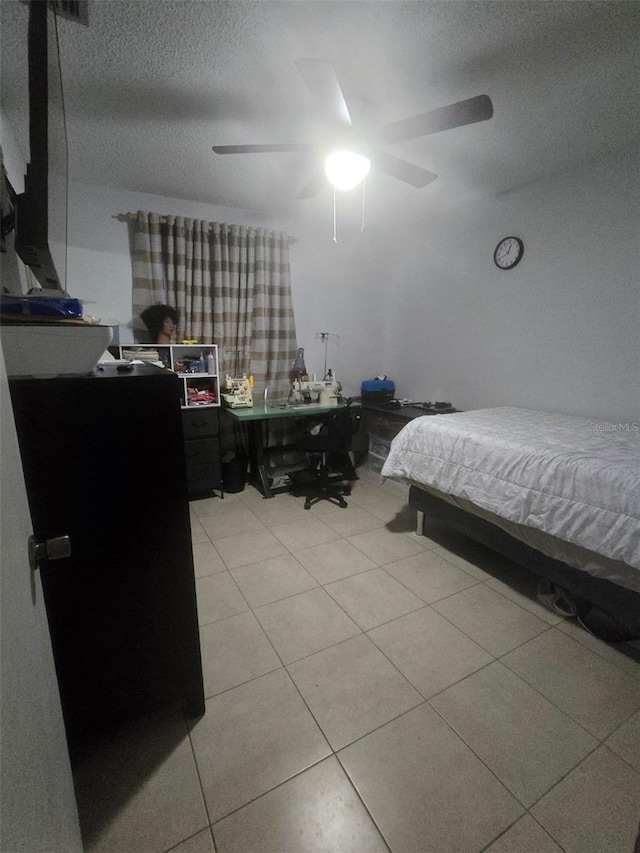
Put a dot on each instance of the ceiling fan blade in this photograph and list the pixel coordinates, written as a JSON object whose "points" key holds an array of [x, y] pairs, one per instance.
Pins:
{"points": [[403, 171], [262, 149], [472, 110], [314, 186], [322, 82]]}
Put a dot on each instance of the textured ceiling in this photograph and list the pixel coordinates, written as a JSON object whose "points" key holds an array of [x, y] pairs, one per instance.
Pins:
{"points": [[150, 86]]}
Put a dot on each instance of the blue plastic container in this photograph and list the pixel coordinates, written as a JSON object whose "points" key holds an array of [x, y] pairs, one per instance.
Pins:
{"points": [[379, 390]]}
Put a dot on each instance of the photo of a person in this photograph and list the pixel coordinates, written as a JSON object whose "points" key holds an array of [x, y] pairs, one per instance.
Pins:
{"points": [[161, 321]]}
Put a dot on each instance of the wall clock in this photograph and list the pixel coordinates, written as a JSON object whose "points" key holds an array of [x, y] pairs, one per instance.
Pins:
{"points": [[508, 253]]}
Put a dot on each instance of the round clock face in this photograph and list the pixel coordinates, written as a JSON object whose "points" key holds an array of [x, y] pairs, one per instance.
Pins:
{"points": [[508, 252]]}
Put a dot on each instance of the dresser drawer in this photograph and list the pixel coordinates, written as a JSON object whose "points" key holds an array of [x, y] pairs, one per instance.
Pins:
{"points": [[200, 422], [201, 451], [203, 478], [384, 426]]}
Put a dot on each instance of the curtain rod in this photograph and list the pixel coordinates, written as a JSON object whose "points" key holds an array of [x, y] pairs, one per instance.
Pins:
{"points": [[133, 217]]}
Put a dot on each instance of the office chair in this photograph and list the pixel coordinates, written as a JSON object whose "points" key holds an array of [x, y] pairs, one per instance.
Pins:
{"points": [[328, 453]]}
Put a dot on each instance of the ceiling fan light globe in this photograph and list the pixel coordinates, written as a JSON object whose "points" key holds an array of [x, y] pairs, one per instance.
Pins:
{"points": [[346, 169]]}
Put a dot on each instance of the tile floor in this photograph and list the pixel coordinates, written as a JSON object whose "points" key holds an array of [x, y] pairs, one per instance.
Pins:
{"points": [[371, 690]]}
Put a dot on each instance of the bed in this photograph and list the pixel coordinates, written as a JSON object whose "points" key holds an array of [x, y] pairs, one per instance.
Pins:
{"points": [[557, 494]]}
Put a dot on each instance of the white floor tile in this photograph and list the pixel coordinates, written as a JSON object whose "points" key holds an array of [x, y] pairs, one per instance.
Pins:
{"points": [[218, 597], [206, 560], [351, 689], [527, 742], [624, 656], [493, 621], [595, 808], [249, 547], [333, 561], [625, 741], [235, 518], [251, 739], [291, 676], [525, 836], [595, 693], [316, 812], [356, 520], [430, 576], [304, 624], [234, 650], [303, 533], [372, 598], [425, 788], [431, 652], [202, 842], [383, 546], [271, 580]]}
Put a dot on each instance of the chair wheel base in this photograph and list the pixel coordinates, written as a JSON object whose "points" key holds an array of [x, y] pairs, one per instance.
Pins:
{"points": [[332, 497]]}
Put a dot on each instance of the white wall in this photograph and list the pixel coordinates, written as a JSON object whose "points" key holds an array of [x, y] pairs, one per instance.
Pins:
{"points": [[422, 300], [560, 332], [338, 288], [424, 303]]}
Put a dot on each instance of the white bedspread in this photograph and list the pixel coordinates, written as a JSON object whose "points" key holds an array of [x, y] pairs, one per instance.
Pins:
{"points": [[575, 478]]}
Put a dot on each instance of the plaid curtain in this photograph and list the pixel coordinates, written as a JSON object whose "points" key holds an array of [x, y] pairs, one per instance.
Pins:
{"points": [[231, 286]]}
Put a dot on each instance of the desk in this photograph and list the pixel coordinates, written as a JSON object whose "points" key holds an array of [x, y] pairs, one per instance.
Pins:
{"points": [[255, 417]]}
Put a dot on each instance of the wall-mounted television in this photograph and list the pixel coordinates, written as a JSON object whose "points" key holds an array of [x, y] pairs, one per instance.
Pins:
{"points": [[41, 210]]}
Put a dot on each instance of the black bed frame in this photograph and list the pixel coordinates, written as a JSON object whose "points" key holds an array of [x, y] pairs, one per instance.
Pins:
{"points": [[619, 603]]}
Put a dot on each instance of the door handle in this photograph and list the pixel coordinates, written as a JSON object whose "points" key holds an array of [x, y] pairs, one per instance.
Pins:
{"points": [[57, 548]]}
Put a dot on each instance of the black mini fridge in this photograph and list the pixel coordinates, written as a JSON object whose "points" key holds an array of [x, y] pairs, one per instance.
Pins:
{"points": [[103, 459]]}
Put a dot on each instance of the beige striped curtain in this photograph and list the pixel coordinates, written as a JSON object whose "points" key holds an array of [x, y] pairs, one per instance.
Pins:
{"points": [[230, 284]]}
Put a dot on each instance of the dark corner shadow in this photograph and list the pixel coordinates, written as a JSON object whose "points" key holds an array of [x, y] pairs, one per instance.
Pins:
{"points": [[403, 522], [108, 772], [456, 542]]}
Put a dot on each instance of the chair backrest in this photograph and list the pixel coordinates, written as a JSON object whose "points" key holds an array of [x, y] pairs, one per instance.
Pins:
{"points": [[336, 431], [342, 426]]}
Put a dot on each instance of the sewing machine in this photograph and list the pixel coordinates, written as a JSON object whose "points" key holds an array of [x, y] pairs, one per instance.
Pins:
{"points": [[328, 391], [238, 393]]}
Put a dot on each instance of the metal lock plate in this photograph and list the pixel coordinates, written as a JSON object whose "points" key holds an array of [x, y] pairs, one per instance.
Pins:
{"points": [[56, 548]]}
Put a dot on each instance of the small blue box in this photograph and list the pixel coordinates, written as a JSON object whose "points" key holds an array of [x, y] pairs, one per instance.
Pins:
{"points": [[377, 389]]}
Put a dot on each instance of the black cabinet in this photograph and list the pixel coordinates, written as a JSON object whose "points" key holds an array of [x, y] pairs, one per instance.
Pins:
{"points": [[103, 462], [201, 427]]}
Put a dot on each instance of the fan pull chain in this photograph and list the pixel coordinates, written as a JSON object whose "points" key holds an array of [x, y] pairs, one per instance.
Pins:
{"points": [[362, 223], [335, 235]]}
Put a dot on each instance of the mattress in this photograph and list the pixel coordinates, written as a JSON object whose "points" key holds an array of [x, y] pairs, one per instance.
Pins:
{"points": [[572, 478]]}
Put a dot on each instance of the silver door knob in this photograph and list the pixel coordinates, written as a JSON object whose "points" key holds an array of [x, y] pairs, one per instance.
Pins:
{"points": [[57, 548]]}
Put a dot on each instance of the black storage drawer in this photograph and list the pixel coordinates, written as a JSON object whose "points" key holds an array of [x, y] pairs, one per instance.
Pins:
{"points": [[200, 428], [203, 478], [201, 451], [200, 422]]}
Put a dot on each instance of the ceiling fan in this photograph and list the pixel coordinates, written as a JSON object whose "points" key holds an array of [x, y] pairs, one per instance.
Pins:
{"points": [[364, 148]]}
